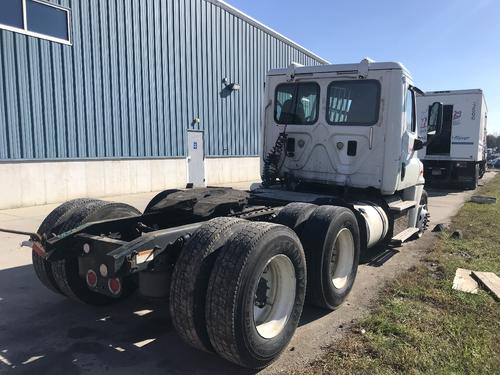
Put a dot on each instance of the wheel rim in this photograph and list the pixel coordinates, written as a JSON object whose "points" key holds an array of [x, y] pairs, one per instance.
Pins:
{"points": [[274, 296], [342, 259]]}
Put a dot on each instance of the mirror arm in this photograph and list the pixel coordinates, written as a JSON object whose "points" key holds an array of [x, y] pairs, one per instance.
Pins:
{"points": [[417, 90]]}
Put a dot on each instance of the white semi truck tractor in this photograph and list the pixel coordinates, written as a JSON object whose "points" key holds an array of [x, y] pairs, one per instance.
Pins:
{"points": [[457, 157], [340, 175]]}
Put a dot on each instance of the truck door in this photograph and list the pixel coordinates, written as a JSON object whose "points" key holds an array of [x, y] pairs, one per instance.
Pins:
{"points": [[410, 166], [442, 145]]}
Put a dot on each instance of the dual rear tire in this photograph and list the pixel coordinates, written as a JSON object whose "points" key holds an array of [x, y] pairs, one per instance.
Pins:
{"points": [[48, 228], [191, 278], [238, 287], [256, 294], [331, 239], [62, 276], [475, 178]]}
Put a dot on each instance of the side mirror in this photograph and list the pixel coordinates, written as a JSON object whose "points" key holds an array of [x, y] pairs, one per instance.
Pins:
{"points": [[418, 144], [435, 120]]}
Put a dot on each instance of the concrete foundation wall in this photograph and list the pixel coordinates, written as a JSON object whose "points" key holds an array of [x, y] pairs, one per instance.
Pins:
{"points": [[35, 183], [225, 170], [38, 183]]}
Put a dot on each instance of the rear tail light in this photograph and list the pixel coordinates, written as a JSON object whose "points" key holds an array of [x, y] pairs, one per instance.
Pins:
{"points": [[91, 278], [115, 286]]}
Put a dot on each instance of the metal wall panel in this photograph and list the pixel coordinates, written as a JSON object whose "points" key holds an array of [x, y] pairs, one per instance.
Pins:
{"points": [[137, 75]]}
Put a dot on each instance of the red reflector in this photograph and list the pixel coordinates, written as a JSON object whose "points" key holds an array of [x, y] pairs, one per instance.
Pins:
{"points": [[115, 286], [38, 248], [91, 278]]}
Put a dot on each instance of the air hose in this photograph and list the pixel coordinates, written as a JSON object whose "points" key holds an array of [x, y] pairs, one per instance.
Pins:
{"points": [[272, 164]]}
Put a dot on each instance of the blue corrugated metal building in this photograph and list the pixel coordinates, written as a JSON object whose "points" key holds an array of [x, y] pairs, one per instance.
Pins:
{"points": [[125, 79]]}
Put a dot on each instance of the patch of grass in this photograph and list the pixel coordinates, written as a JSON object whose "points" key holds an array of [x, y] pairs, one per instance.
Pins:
{"points": [[421, 325]]}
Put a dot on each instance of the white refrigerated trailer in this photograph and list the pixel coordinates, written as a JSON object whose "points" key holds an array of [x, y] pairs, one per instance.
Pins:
{"points": [[458, 155]]}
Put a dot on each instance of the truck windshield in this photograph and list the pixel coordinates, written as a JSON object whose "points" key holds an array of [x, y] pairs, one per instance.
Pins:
{"points": [[297, 103], [353, 102]]}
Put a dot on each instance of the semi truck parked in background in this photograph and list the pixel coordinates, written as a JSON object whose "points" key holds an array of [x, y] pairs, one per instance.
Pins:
{"points": [[340, 176], [458, 155]]}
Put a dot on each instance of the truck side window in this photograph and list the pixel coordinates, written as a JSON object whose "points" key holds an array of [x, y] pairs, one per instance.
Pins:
{"points": [[353, 102], [411, 123], [297, 103]]}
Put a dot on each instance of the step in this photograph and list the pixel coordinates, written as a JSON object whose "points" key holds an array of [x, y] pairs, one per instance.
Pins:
{"points": [[400, 206], [399, 238]]}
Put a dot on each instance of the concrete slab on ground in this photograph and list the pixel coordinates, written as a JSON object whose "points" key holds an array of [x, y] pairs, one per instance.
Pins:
{"points": [[490, 281], [464, 282]]}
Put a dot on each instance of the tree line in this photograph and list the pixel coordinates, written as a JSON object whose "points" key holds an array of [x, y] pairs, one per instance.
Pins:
{"points": [[493, 141]]}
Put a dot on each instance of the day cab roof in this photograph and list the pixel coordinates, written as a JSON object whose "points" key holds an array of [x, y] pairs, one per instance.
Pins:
{"points": [[343, 69]]}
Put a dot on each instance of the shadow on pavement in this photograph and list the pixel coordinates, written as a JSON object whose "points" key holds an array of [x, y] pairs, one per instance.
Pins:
{"points": [[377, 256], [43, 333]]}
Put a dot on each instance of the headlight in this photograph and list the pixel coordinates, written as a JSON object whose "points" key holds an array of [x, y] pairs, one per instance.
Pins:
{"points": [[461, 164]]}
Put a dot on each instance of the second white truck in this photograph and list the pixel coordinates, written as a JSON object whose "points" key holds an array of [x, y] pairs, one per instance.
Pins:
{"points": [[458, 155]]}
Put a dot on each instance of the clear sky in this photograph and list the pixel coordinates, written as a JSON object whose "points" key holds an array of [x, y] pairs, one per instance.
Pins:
{"points": [[446, 44]]}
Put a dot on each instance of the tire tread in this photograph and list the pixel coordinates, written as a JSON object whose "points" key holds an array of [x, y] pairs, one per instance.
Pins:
{"points": [[41, 266], [295, 214], [313, 239], [225, 283], [65, 271], [190, 280]]}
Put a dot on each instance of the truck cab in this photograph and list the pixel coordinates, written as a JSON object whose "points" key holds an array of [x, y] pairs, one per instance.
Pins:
{"points": [[350, 125]]}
